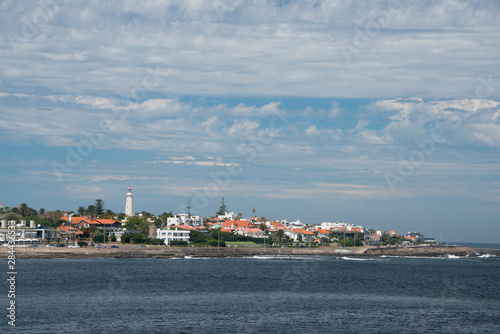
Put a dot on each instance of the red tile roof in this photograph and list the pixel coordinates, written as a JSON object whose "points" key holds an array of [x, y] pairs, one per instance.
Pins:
{"points": [[301, 231]]}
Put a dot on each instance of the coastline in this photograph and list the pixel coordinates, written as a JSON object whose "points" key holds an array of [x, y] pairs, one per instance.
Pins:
{"points": [[132, 251]]}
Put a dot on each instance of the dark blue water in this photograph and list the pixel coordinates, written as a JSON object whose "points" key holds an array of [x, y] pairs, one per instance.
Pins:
{"points": [[257, 295]]}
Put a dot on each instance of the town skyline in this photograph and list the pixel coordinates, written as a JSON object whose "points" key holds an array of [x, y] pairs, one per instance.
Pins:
{"points": [[383, 113]]}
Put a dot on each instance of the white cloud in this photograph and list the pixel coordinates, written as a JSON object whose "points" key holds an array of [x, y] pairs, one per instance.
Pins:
{"points": [[252, 48], [243, 128]]}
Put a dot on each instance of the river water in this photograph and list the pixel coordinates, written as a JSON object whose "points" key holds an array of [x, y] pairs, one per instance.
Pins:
{"points": [[256, 295]]}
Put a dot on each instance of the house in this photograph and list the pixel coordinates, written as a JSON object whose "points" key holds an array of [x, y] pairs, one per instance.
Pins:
{"points": [[184, 219], [373, 237], [250, 232], [69, 230], [87, 222], [323, 233], [183, 227], [299, 233], [33, 234], [168, 235], [215, 225], [230, 225], [227, 216]]}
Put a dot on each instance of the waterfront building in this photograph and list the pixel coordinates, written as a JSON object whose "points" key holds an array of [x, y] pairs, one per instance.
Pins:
{"points": [[295, 234], [168, 235], [129, 211], [31, 234], [250, 232]]}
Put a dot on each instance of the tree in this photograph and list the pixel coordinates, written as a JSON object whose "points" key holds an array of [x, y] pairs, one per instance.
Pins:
{"points": [[81, 211], [86, 232], [238, 217], [23, 209], [136, 223], [279, 235], [90, 211], [41, 212], [253, 211], [99, 207], [222, 208]]}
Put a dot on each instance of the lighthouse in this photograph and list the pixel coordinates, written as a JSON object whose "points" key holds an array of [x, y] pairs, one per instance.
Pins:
{"points": [[129, 211]]}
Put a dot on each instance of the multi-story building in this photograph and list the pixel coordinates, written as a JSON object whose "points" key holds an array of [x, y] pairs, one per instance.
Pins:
{"points": [[168, 235]]}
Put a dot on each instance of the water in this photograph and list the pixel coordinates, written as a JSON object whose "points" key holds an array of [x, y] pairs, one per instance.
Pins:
{"points": [[257, 295]]}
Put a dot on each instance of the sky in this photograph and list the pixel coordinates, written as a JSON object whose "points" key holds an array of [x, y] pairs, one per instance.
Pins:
{"points": [[384, 114]]}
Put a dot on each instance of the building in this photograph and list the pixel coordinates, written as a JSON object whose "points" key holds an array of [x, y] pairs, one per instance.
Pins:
{"points": [[184, 219], [250, 232], [299, 233], [129, 210], [86, 222], [168, 235], [227, 215], [230, 225], [31, 234]]}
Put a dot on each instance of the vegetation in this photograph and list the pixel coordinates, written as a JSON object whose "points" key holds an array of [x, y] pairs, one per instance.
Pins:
{"points": [[82, 244], [222, 208], [215, 237], [137, 223], [350, 242], [100, 238], [99, 207], [140, 239], [178, 243]]}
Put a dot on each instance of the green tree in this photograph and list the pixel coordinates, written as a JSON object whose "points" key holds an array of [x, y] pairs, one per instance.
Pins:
{"points": [[222, 208], [90, 211], [99, 207], [23, 209], [81, 211], [41, 212], [279, 235], [136, 223], [238, 217]]}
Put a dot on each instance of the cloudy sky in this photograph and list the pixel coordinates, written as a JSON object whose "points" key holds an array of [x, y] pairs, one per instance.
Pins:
{"points": [[381, 113]]}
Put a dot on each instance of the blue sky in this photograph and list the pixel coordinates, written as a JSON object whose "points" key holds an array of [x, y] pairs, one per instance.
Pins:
{"points": [[382, 113]]}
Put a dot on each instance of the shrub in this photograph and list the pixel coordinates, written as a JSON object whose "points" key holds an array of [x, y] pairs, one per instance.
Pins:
{"points": [[155, 241], [82, 244], [215, 243], [178, 243]]}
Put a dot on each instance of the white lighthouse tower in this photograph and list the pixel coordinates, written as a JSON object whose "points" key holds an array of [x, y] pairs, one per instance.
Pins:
{"points": [[129, 211]]}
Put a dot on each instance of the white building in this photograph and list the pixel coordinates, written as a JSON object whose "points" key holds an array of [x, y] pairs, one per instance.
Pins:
{"points": [[184, 219], [295, 224], [172, 235], [340, 227], [295, 234], [228, 215], [129, 211]]}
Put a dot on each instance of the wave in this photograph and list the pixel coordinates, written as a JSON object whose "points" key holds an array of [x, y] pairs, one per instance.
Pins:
{"points": [[451, 256], [355, 258], [486, 256]]}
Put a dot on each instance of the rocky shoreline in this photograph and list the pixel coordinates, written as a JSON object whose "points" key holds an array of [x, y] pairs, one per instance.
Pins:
{"points": [[133, 251]]}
